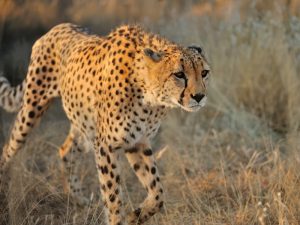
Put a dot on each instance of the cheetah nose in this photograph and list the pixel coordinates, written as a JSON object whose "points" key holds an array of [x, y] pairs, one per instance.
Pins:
{"points": [[197, 97]]}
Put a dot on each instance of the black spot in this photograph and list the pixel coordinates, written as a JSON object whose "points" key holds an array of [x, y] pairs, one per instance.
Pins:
{"points": [[136, 167], [31, 114], [161, 204], [153, 170], [39, 82], [147, 168], [148, 152], [153, 184], [102, 152], [137, 212], [151, 213], [130, 54], [112, 197], [118, 179], [109, 184], [104, 170], [112, 175], [131, 150], [103, 188], [108, 159]]}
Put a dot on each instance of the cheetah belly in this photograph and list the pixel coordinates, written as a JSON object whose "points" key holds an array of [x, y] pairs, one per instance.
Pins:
{"points": [[128, 132]]}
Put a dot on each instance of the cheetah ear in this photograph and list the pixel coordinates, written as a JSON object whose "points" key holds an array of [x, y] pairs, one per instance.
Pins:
{"points": [[197, 48], [154, 56]]}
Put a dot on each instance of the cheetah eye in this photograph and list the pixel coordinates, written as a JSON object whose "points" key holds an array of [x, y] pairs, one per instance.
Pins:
{"points": [[179, 75], [204, 73]]}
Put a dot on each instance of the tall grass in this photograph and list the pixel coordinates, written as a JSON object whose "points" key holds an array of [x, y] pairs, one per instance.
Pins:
{"points": [[235, 162]]}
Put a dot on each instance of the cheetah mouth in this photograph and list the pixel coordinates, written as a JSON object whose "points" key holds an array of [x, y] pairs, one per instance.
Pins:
{"points": [[191, 108]]}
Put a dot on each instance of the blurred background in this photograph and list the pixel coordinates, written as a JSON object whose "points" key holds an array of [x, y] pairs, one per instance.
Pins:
{"points": [[234, 162]]}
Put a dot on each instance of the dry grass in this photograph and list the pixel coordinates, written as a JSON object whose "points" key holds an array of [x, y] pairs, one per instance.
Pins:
{"points": [[235, 162]]}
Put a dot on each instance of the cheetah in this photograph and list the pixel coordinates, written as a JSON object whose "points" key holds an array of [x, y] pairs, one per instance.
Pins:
{"points": [[115, 90]]}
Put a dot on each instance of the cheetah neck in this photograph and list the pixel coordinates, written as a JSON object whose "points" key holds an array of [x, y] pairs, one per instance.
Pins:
{"points": [[131, 41]]}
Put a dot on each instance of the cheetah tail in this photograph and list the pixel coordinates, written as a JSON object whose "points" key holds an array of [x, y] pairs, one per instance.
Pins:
{"points": [[11, 97]]}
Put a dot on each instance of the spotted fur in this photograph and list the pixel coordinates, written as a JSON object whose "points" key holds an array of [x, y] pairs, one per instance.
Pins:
{"points": [[115, 91]]}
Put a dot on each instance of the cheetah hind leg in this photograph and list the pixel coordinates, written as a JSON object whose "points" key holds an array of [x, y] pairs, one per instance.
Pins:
{"points": [[26, 119], [71, 152]]}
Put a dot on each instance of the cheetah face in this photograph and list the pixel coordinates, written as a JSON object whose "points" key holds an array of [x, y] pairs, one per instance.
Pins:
{"points": [[179, 77]]}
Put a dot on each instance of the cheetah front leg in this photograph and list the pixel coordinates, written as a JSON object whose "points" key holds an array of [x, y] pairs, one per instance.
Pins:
{"points": [[111, 192], [71, 152], [143, 163]]}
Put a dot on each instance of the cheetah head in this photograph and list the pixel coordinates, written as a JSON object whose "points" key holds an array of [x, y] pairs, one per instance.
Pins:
{"points": [[177, 77]]}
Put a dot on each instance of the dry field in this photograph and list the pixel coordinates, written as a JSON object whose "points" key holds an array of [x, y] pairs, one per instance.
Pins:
{"points": [[235, 162]]}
